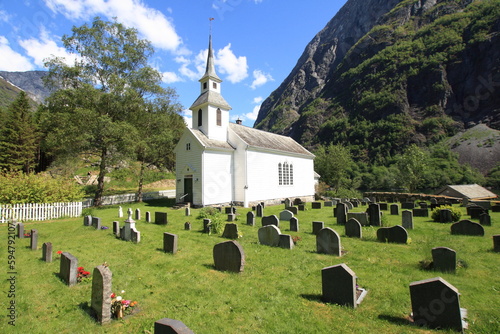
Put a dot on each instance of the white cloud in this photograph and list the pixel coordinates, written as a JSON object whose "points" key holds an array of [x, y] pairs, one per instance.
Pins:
{"points": [[254, 113], [235, 68], [45, 47], [188, 118], [171, 77], [4, 16], [150, 22], [260, 78], [258, 99], [10, 60]]}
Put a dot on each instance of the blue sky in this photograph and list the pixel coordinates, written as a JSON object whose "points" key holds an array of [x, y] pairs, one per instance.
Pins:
{"points": [[256, 42]]}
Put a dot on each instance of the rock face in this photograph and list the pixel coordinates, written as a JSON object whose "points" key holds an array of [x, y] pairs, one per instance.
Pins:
{"points": [[30, 81]]}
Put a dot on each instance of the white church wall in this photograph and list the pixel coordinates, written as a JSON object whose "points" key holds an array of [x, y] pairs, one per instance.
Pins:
{"points": [[188, 161], [214, 131], [217, 177]]}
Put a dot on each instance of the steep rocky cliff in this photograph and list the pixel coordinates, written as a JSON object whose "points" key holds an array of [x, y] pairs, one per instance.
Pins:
{"points": [[30, 81]]}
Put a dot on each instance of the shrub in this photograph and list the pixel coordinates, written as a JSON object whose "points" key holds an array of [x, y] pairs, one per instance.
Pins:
{"points": [[216, 219], [455, 213]]}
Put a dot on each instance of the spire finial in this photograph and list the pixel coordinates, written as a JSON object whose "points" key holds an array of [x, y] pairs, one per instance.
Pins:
{"points": [[211, 19]]}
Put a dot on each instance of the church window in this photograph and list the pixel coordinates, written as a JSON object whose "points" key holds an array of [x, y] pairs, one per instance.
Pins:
{"points": [[219, 117], [188, 146], [214, 85], [285, 174], [200, 118], [204, 85], [291, 174], [280, 174]]}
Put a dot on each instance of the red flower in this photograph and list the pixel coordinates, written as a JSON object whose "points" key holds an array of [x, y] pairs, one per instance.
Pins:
{"points": [[113, 295], [80, 268], [59, 252], [86, 273]]}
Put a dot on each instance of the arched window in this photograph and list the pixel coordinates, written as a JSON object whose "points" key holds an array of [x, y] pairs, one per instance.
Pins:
{"points": [[204, 85], [280, 175], [200, 118], [219, 117], [285, 174]]}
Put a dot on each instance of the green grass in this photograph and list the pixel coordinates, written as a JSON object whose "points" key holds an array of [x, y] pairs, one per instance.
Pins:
{"points": [[279, 290]]}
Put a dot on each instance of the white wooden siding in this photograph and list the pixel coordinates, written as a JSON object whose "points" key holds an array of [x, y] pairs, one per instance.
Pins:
{"points": [[188, 162], [217, 177]]}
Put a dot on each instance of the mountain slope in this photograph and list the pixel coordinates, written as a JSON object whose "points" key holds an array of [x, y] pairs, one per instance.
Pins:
{"points": [[30, 81]]}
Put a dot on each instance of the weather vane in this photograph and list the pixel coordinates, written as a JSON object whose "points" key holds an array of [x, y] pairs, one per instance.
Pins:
{"points": [[211, 19]]}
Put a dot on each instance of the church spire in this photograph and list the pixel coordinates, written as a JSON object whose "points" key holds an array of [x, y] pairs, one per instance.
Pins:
{"points": [[210, 70]]}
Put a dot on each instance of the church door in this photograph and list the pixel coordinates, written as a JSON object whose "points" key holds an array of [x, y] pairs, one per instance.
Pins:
{"points": [[188, 189]]}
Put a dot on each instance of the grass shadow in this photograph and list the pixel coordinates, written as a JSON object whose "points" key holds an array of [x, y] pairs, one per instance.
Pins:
{"points": [[395, 320], [313, 298], [209, 266], [161, 202], [85, 307]]}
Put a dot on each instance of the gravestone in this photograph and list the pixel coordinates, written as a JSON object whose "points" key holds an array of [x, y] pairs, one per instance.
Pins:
{"points": [[187, 226], [270, 220], [116, 228], [374, 214], [395, 234], [269, 235], [293, 209], [341, 213], [288, 203], [475, 211], [328, 204], [187, 211], [120, 212], [338, 285], [230, 231], [361, 217], [495, 208], [34, 240], [148, 217], [435, 304], [135, 236], [87, 220], [229, 256], [444, 259], [231, 217], [170, 243], [20, 230], [286, 241], [171, 326], [496, 243], [96, 223], [161, 218], [47, 252], [407, 219], [316, 205], [328, 242], [302, 207], [383, 206], [419, 212], [349, 205], [408, 205], [230, 209], [485, 219], [206, 225], [423, 205], [294, 224], [250, 218], [101, 294], [137, 214], [394, 209], [127, 229], [353, 228], [317, 226], [445, 216], [286, 215], [259, 210], [467, 227], [68, 268]]}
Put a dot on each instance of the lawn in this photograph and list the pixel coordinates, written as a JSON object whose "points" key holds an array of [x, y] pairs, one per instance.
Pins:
{"points": [[279, 290]]}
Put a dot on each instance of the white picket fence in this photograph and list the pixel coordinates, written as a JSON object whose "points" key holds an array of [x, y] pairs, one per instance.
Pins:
{"points": [[45, 211]]}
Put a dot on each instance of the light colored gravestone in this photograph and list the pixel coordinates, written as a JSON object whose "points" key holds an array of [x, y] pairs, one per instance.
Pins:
{"points": [[445, 216], [101, 294], [407, 219], [317, 226], [485, 219], [316, 205], [338, 285], [259, 210], [170, 243], [435, 304], [341, 213], [361, 217], [137, 214], [328, 242], [444, 259], [250, 218], [229, 256], [171, 326], [286, 241], [187, 211], [87, 220], [127, 229], [116, 228], [394, 209], [294, 224], [395, 234], [286, 215], [135, 236], [68, 268], [353, 228], [230, 231], [148, 217], [34, 240], [496, 243], [96, 223], [374, 214], [47, 252], [120, 212], [161, 218], [20, 230], [467, 227], [270, 220], [269, 235]]}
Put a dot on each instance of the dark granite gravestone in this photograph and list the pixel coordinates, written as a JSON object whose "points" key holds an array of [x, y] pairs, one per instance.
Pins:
{"points": [[341, 213], [374, 215], [475, 211], [361, 217], [293, 209], [68, 268], [148, 217], [338, 285], [495, 208], [47, 252], [407, 205], [286, 241], [317, 226], [101, 294], [496, 243], [229, 256], [259, 210], [407, 219], [270, 220], [269, 235], [250, 218], [467, 227], [302, 207], [170, 242], [231, 217], [187, 226], [394, 234], [435, 304], [444, 259], [353, 228], [328, 204], [485, 219], [328, 242], [206, 225], [230, 231], [171, 326], [96, 223], [423, 205], [383, 206], [20, 230], [294, 224], [87, 220], [137, 214], [34, 240], [316, 205], [286, 215], [230, 209], [394, 209], [161, 218], [419, 212], [287, 202], [445, 216], [116, 228]]}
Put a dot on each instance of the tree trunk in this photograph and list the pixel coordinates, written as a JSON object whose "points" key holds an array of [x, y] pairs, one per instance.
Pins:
{"points": [[138, 197], [100, 179]]}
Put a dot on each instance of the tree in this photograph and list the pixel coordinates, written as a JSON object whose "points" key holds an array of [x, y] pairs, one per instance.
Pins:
{"points": [[332, 164], [412, 165], [19, 137], [98, 98]]}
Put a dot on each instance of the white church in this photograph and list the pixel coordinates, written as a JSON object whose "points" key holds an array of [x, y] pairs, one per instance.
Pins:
{"points": [[218, 162]]}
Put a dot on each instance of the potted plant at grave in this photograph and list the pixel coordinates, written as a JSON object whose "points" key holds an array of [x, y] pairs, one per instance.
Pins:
{"points": [[121, 307]]}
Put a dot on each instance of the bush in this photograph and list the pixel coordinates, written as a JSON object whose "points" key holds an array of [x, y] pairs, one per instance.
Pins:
{"points": [[455, 213], [216, 219]]}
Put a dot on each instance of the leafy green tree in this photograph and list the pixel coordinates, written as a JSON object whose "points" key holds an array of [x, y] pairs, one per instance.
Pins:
{"points": [[98, 98], [332, 164], [19, 139], [412, 166]]}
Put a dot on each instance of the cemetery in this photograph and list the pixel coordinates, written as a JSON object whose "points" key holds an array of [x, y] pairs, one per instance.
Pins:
{"points": [[333, 275]]}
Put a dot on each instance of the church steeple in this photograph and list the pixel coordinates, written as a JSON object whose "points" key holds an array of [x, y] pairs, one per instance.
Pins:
{"points": [[210, 70]]}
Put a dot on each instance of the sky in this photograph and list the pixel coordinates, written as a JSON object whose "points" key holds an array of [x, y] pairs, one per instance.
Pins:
{"points": [[256, 42]]}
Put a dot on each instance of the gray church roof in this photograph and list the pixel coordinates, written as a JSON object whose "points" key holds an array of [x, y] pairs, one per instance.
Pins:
{"points": [[267, 140], [210, 143], [213, 98]]}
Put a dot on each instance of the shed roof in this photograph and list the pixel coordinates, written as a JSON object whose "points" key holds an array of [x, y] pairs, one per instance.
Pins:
{"points": [[470, 191]]}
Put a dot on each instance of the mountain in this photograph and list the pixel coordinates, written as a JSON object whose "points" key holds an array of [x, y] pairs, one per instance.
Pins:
{"points": [[30, 81], [385, 74]]}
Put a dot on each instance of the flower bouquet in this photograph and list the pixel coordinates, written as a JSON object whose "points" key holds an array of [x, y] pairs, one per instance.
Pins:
{"points": [[121, 307]]}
